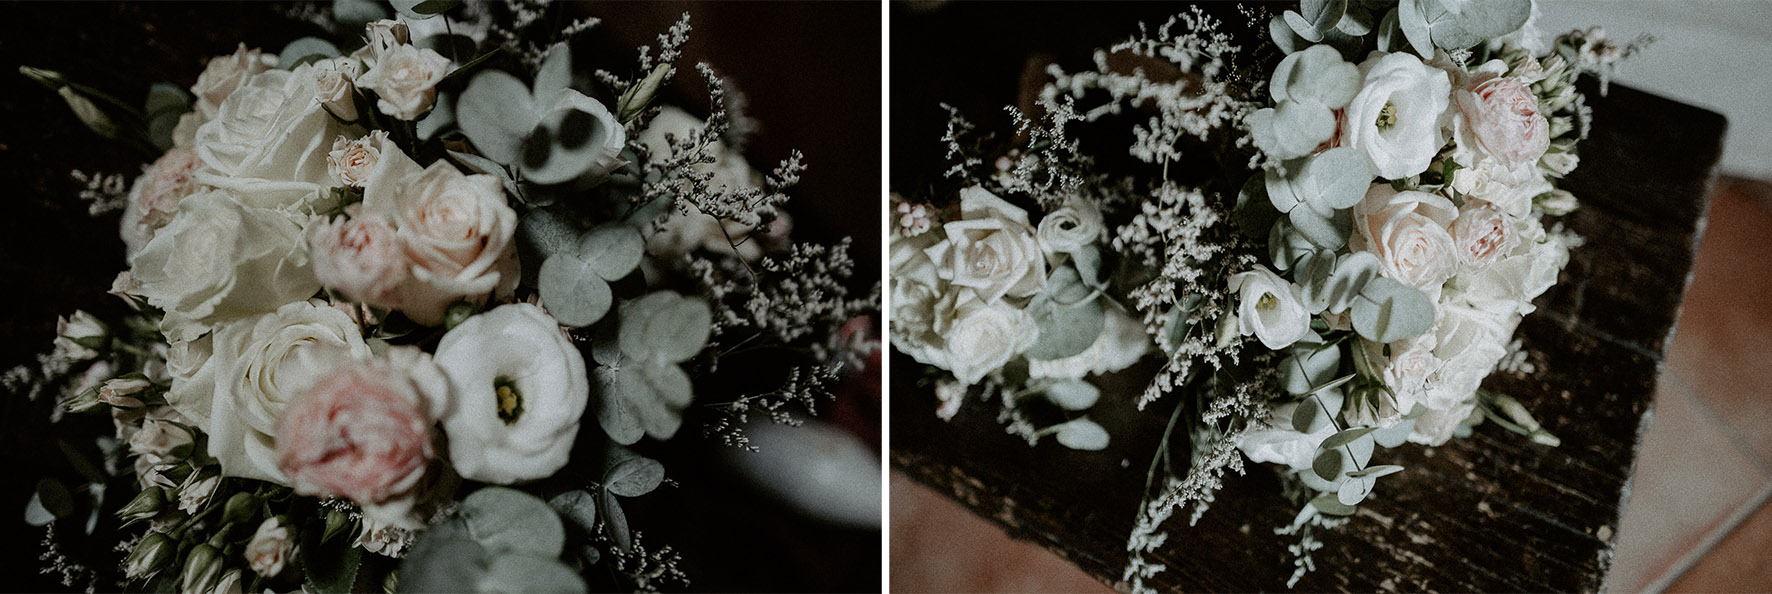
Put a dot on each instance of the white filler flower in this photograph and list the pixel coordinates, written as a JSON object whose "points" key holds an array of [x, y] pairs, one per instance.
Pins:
{"points": [[519, 390]]}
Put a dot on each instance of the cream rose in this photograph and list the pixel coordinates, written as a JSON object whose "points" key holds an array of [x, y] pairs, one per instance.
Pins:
{"points": [[379, 37], [1407, 231], [259, 366], [225, 74], [1406, 369], [363, 431], [1469, 342], [991, 249], [915, 293], [1073, 226], [360, 257], [1483, 234], [353, 161], [270, 548], [333, 86], [1510, 189], [519, 390], [405, 80], [268, 141], [984, 335], [1395, 119], [1502, 114], [456, 229], [1269, 307], [221, 260]]}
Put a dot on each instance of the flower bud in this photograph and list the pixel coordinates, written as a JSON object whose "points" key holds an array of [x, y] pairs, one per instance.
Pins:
{"points": [[198, 490], [149, 555], [145, 505], [81, 336], [241, 507], [119, 391], [203, 569], [82, 401], [271, 547]]}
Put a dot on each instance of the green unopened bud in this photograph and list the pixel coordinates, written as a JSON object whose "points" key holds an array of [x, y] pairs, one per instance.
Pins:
{"points": [[203, 568], [336, 522], [640, 95], [240, 508], [457, 314], [145, 505], [151, 554], [83, 401]]}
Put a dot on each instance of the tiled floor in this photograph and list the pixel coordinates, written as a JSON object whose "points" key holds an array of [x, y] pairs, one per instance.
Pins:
{"points": [[1698, 519]]}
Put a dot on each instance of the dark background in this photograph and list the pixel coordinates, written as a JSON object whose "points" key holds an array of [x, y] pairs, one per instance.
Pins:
{"points": [[810, 71]]}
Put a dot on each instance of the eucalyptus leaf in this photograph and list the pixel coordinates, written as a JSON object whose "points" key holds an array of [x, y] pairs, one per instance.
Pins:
{"points": [[1330, 504], [1334, 179], [305, 50], [1283, 37], [634, 476], [1345, 437], [1317, 75], [1459, 25], [613, 412], [570, 140], [1361, 449], [1389, 34], [1313, 275], [505, 519], [1082, 434], [642, 398], [572, 289], [613, 251], [615, 522], [1352, 272], [667, 326], [1354, 490], [1389, 311], [35, 513], [1087, 259], [1073, 394], [354, 14], [526, 573], [1302, 26], [1065, 330], [1310, 416], [89, 113], [555, 74], [577, 506], [1254, 214], [1412, 19], [497, 113], [1307, 366], [1287, 246], [638, 96], [441, 117], [1395, 434], [1355, 22], [1300, 126], [1327, 464], [443, 559], [422, 9], [1376, 471]]}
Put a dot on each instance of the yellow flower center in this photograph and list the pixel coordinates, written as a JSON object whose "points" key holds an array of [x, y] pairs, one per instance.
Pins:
{"points": [[510, 401], [1387, 117]]}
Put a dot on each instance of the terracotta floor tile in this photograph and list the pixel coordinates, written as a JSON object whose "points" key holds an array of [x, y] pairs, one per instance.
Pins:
{"points": [[1723, 345], [938, 546], [1691, 486], [1740, 563]]}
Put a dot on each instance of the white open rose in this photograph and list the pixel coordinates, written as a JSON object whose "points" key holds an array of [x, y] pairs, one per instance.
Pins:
{"points": [[352, 161], [457, 232], [519, 388], [1269, 307], [333, 86], [259, 365], [916, 290], [991, 249], [1469, 342], [1070, 227], [1407, 231], [1510, 189], [984, 335], [221, 260], [1501, 114], [1396, 118], [225, 74], [268, 142], [405, 80]]}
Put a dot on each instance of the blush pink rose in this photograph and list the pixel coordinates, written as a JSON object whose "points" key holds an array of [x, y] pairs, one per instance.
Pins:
{"points": [[1503, 115], [167, 180], [364, 432], [1483, 234], [223, 75], [361, 257]]}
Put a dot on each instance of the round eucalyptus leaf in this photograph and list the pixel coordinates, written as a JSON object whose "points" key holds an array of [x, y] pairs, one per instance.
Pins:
{"points": [[555, 74], [1261, 130], [572, 290], [1325, 232], [1330, 504], [1362, 447], [1463, 25], [1376, 471], [1316, 74], [1087, 259], [504, 519], [1334, 179], [1073, 394], [1355, 22], [1354, 490], [634, 476], [679, 329], [1345, 437], [1389, 35], [305, 50], [1313, 276], [1302, 26], [1286, 245], [441, 117], [615, 521], [443, 559], [613, 411], [577, 506], [655, 395], [1082, 434], [1283, 37], [1308, 366], [1413, 21], [612, 251], [1327, 464], [1066, 330], [1066, 287], [1395, 434], [1389, 311], [354, 14], [1254, 213], [164, 98], [528, 573], [419, 10], [497, 113], [1309, 416], [1352, 272], [571, 140]]}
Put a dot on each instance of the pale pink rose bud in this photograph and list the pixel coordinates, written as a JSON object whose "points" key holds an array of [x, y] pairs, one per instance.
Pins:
{"points": [[352, 161], [270, 548], [332, 86], [364, 431], [223, 75], [1503, 114], [405, 78], [361, 257], [118, 391], [1483, 234]]}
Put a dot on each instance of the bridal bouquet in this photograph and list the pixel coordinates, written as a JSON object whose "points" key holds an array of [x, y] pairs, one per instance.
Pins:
{"points": [[401, 311], [1327, 241]]}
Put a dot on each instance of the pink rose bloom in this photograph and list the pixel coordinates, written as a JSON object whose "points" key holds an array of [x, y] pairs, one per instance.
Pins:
{"points": [[361, 257], [1483, 234], [353, 161], [1503, 116], [364, 432], [1407, 231], [458, 233], [222, 76], [166, 181]]}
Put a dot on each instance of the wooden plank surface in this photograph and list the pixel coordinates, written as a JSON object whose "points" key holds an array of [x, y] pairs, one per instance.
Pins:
{"points": [[1490, 512]]}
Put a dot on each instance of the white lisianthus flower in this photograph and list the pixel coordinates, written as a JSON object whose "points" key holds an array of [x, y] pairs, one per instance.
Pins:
{"points": [[1275, 441], [333, 86], [352, 161], [260, 364], [225, 74], [220, 260], [991, 249], [75, 329], [405, 79], [457, 232], [518, 390], [1407, 231], [197, 491], [268, 141], [1395, 119], [1269, 307], [270, 548], [1073, 226], [985, 335]]}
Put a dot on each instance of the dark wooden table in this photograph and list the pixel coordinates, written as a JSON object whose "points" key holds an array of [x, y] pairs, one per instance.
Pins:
{"points": [[1492, 512]]}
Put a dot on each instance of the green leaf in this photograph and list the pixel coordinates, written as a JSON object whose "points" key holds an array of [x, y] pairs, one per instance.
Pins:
{"points": [[1313, 276], [615, 522], [1283, 37], [638, 96], [1287, 246], [1065, 330], [634, 476], [423, 9], [1412, 19], [1398, 432], [1300, 126], [89, 113], [1073, 394], [443, 559], [1327, 465], [1315, 75], [1376, 471], [1307, 367], [305, 50], [578, 507], [1310, 416], [54, 498], [1352, 272], [1459, 25], [504, 519], [525, 573], [1354, 490], [1082, 434], [1389, 311], [497, 113], [1328, 503], [555, 74], [612, 409], [1087, 259], [1334, 179], [666, 326], [329, 568], [1254, 214], [1389, 34], [441, 117], [355, 14], [1302, 26], [1345, 437], [613, 250], [1356, 23], [572, 290]]}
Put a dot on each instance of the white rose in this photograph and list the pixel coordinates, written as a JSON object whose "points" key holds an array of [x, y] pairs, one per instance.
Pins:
{"points": [[353, 161], [225, 74], [270, 548], [157, 439], [184, 135], [1121, 343], [1269, 307], [1436, 426], [333, 86], [360, 257], [1395, 119], [1559, 163], [1275, 441], [1406, 369], [221, 260], [118, 391], [991, 249], [1071, 227], [984, 335], [519, 388], [1407, 231], [259, 365], [1510, 189], [379, 37], [405, 79], [268, 141], [456, 229], [915, 289], [1483, 234], [1469, 342]]}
